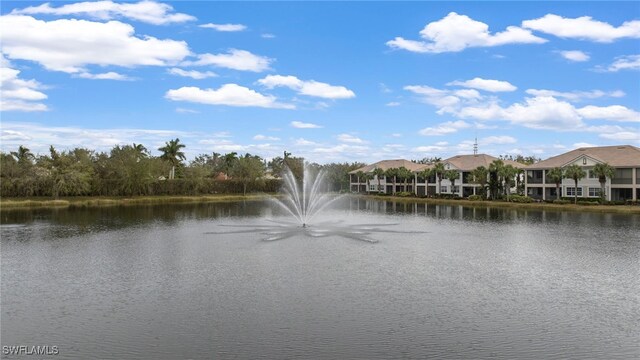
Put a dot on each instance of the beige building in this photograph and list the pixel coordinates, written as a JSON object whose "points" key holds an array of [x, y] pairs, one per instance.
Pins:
{"points": [[386, 185], [464, 164], [625, 185]]}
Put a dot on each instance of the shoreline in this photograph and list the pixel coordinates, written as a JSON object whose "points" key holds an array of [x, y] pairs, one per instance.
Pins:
{"points": [[9, 204], [624, 209]]}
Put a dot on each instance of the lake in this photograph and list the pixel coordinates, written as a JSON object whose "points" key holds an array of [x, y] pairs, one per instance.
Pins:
{"points": [[445, 281]]}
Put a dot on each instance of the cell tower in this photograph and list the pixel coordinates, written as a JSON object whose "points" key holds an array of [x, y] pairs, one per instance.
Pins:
{"points": [[475, 147]]}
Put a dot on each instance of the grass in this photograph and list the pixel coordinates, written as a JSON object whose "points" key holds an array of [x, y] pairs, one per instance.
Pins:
{"points": [[80, 202], [630, 209]]}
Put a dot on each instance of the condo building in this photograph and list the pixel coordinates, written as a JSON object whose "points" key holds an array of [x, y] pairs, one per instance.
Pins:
{"points": [[625, 184], [420, 186]]}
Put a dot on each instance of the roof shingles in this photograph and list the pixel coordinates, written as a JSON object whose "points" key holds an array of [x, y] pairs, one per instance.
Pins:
{"points": [[616, 156]]}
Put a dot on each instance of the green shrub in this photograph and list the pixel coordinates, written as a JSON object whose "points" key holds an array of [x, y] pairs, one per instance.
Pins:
{"points": [[587, 202], [475, 197], [404, 194], [520, 199], [562, 202]]}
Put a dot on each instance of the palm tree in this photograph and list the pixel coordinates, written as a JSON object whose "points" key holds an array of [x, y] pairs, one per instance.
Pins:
{"points": [[576, 173], [360, 175], [368, 177], [438, 170], [495, 168], [171, 153], [426, 174], [378, 173], [479, 176], [23, 155], [603, 171], [404, 174], [392, 173], [452, 175], [508, 172], [141, 151], [556, 175]]}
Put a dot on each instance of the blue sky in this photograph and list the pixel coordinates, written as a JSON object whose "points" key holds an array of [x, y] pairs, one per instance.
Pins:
{"points": [[330, 81]]}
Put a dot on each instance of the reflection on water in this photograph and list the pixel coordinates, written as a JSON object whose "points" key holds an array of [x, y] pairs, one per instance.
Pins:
{"points": [[458, 282], [481, 213]]}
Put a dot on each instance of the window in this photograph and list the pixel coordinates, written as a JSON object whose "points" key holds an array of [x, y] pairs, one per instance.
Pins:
{"points": [[571, 191], [372, 187], [456, 189], [584, 161], [591, 175], [443, 189], [594, 192]]}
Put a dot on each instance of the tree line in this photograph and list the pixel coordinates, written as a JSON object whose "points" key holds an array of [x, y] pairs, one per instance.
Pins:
{"points": [[131, 170]]}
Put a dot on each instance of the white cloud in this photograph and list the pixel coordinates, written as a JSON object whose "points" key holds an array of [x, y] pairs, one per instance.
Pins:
{"points": [[457, 32], [392, 104], [186, 111], [350, 139], [543, 112], [428, 149], [18, 94], [503, 139], [576, 95], [145, 11], [445, 128], [57, 45], [575, 55], [444, 100], [583, 145], [194, 74], [267, 36], [584, 28], [307, 87], [234, 59], [396, 135], [303, 125], [467, 94], [623, 136], [485, 84], [629, 62], [265, 138], [356, 150], [67, 137], [111, 75], [613, 112], [228, 94], [224, 27], [304, 142]]}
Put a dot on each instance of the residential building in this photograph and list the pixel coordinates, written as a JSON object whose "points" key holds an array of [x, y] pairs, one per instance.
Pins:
{"points": [[386, 185], [624, 185], [464, 164]]}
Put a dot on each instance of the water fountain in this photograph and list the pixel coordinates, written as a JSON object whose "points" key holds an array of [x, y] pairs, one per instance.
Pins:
{"points": [[303, 202]]}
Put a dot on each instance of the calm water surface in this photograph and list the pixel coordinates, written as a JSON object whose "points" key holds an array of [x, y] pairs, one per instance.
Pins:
{"points": [[150, 283]]}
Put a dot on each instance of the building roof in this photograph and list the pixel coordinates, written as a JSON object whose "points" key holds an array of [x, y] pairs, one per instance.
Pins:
{"points": [[461, 162], [470, 162], [389, 164], [616, 156]]}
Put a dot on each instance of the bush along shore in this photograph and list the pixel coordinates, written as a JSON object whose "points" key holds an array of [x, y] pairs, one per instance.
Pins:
{"points": [[85, 202], [516, 200]]}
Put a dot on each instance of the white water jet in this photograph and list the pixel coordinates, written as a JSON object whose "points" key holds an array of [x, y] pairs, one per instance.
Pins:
{"points": [[306, 201], [303, 201]]}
